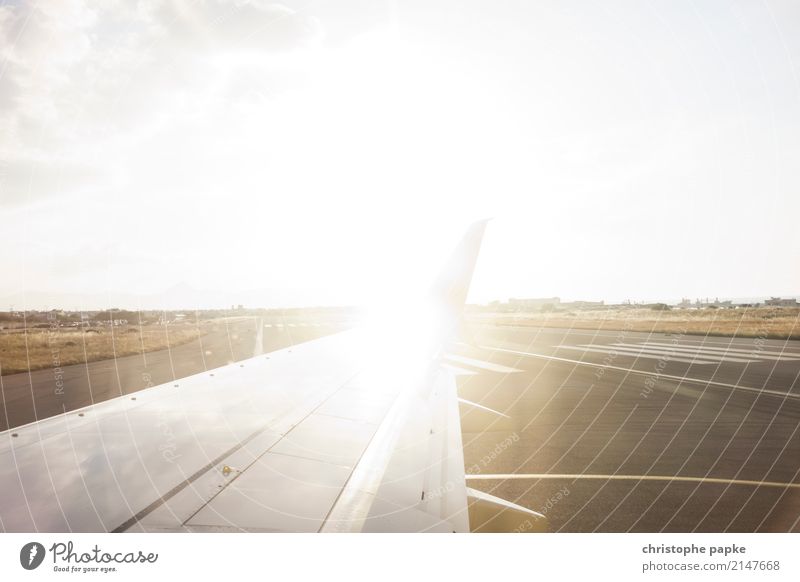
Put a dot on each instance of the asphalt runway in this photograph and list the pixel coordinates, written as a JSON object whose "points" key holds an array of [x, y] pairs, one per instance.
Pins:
{"points": [[38, 395], [625, 431]]}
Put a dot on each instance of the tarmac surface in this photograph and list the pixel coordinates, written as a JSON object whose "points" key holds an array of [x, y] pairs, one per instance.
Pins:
{"points": [[624, 431], [600, 430]]}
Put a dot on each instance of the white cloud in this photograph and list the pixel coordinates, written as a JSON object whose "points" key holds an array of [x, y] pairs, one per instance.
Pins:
{"points": [[86, 83]]}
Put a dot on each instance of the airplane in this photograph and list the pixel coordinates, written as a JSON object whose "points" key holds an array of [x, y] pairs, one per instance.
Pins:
{"points": [[338, 434]]}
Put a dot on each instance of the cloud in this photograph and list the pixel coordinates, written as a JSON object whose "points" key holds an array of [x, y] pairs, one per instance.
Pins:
{"points": [[28, 180], [83, 84]]}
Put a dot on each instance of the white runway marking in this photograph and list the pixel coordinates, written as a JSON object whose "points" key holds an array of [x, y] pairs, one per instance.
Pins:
{"points": [[636, 355], [267, 325], [696, 340], [481, 364], [761, 391], [752, 353], [674, 353], [258, 347], [677, 351], [486, 408], [292, 325], [686, 353], [459, 371], [710, 480], [566, 331]]}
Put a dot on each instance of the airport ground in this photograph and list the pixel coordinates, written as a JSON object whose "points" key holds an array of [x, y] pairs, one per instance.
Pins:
{"points": [[600, 430], [746, 321], [50, 345], [620, 431]]}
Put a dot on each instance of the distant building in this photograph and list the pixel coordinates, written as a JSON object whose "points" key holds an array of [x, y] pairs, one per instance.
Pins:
{"points": [[528, 304], [700, 303], [778, 302], [584, 304]]}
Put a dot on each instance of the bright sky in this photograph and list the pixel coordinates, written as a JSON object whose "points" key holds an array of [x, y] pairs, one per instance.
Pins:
{"points": [[190, 154]]}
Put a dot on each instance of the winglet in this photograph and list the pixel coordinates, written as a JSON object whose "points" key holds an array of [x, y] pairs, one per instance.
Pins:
{"points": [[452, 285]]}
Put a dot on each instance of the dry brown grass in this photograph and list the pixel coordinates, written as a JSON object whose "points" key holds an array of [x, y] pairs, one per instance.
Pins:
{"points": [[775, 323], [35, 349]]}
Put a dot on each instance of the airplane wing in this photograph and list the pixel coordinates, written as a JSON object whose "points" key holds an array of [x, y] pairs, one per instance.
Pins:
{"points": [[328, 436]]}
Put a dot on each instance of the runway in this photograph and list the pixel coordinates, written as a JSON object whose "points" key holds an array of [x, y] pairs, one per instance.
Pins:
{"points": [[624, 431]]}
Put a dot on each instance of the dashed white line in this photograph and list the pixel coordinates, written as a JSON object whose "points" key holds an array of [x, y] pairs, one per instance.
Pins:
{"points": [[754, 353], [674, 353], [483, 365], [459, 371], [482, 407], [761, 391], [650, 356]]}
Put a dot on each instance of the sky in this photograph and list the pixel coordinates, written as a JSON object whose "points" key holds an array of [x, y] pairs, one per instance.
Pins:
{"points": [[209, 153]]}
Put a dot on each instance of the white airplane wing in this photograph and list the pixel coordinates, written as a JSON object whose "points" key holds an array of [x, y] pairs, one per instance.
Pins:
{"points": [[324, 436]]}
